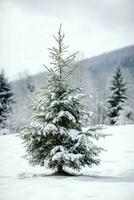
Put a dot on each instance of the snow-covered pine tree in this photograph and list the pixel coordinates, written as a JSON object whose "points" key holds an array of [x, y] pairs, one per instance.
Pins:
{"points": [[118, 96], [57, 137], [6, 99]]}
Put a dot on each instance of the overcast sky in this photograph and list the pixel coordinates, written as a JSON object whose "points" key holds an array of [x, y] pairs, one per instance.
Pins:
{"points": [[91, 27]]}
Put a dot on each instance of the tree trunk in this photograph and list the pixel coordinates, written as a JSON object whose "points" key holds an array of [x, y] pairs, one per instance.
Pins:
{"points": [[61, 172]]}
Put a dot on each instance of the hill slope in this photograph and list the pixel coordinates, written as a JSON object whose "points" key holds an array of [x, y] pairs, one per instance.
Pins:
{"points": [[99, 66], [91, 74], [105, 63]]}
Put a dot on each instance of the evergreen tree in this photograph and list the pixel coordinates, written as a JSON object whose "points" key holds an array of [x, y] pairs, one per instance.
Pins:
{"points": [[118, 96], [5, 100], [57, 136]]}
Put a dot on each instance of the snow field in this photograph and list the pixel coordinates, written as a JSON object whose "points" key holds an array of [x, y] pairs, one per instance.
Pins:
{"points": [[113, 179]]}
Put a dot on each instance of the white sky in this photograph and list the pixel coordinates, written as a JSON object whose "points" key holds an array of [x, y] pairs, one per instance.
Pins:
{"points": [[91, 27]]}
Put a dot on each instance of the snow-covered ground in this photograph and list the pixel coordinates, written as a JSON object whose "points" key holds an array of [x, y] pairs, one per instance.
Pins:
{"points": [[112, 180]]}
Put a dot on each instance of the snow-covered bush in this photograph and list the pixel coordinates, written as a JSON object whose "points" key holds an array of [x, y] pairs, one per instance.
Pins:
{"points": [[4, 131], [126, 115]]}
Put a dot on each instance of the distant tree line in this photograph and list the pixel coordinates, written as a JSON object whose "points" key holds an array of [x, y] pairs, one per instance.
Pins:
{"points": [[110, 103]]}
